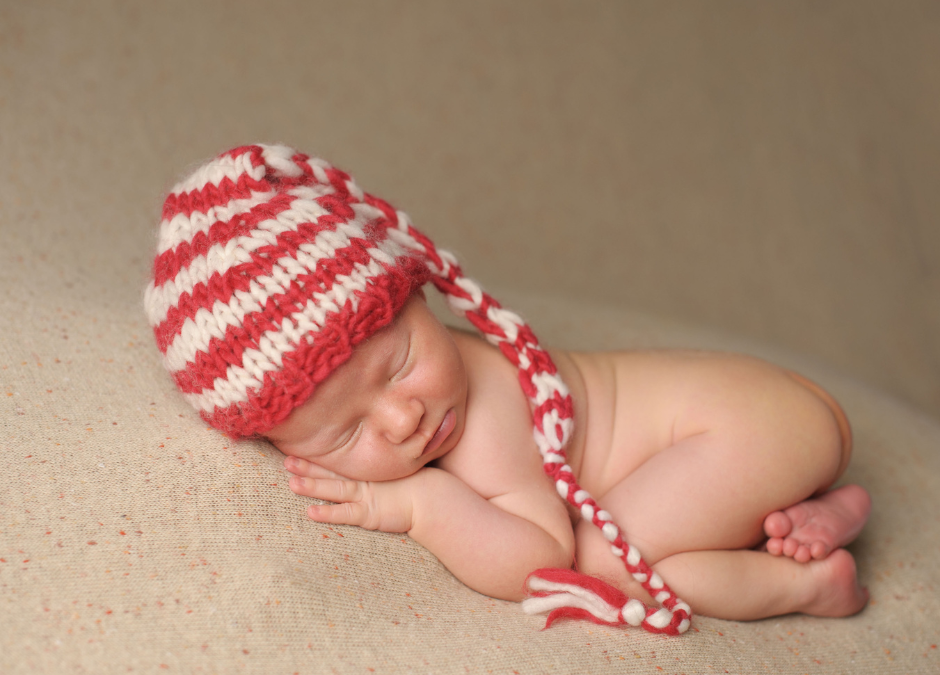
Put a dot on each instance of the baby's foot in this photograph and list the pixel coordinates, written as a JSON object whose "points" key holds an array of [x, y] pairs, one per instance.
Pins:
{"points": [[835, 591], [814, 528]]}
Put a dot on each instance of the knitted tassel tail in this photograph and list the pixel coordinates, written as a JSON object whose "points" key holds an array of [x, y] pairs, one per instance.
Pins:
{"points": [[569, 594]]}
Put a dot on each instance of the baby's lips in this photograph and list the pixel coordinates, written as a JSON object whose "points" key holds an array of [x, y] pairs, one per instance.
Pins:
{"points": [[443, 431]]}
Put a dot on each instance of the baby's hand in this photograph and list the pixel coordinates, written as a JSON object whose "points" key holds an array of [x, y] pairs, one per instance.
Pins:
{"points": [[385, 506]]}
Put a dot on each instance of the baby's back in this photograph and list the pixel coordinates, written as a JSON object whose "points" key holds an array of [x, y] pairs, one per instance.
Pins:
{"points": [[632, 404], [629, 406]]}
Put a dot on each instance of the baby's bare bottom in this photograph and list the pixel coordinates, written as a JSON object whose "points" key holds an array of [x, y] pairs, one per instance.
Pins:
{"points": [[814, 528], [838, 414], [696, 509]]}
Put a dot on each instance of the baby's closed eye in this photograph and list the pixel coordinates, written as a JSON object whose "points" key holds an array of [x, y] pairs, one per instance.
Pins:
{"points": [[348, 438], [403, 363]]}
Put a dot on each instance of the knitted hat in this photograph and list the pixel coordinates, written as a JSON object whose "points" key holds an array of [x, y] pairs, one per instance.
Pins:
{"points": [[272, 266]]}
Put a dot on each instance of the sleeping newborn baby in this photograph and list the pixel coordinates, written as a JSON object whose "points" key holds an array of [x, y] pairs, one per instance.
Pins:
{"points": [[289, 304]]}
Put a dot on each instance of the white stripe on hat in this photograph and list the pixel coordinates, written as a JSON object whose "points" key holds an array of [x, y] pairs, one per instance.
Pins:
{"points": [[197, 332], [239, 380], [279, 157], [218, 170], [222, 257], [182, 228]]}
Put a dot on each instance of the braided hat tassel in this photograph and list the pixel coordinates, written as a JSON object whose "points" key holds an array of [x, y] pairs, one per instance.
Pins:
{"points": [[553, 424]]}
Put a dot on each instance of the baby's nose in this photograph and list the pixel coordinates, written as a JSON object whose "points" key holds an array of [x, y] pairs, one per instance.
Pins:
{"points": [[402, 419]]}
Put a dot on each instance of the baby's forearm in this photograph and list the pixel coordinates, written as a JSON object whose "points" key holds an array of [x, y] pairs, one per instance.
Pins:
{"points": [[487, 548]]}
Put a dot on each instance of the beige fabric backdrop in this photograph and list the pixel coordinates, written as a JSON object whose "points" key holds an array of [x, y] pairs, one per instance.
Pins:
{"points": [[768, 169], [134, 539]]}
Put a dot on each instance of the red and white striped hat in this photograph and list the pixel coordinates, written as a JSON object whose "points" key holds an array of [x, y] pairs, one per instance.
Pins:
{"points": [[272, 266]]}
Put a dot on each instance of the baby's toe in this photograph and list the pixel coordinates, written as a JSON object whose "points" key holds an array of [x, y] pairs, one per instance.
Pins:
{"points": [[774, 546], [819, 550], [790, 547], [777, 525], [802, 554]]}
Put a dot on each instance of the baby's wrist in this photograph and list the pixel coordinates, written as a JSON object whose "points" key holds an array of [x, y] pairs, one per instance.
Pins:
{"points": [[429, 490]]}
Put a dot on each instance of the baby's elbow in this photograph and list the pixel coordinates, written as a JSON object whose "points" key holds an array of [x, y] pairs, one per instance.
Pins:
{"points": [[559, 554], [508, 583], [564, 556]]}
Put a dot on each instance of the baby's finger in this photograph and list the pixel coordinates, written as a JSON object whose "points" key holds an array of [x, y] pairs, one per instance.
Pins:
{"points": [[331, 490], [349, 513], [301, 467]]}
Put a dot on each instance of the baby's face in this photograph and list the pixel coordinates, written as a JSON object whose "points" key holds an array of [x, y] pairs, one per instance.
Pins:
{"points": [[398, 403]]}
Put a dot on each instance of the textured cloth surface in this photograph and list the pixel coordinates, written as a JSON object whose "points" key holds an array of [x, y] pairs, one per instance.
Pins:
{"points": [[135, 537]]}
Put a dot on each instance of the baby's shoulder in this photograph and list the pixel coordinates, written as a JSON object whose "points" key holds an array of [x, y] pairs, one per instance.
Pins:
{"points": [[488, 367], [494, 393], [494, 379], [497, 393], [496, 452], [480, 357]]}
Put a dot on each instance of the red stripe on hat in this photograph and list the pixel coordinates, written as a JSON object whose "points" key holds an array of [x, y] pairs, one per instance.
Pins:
{"points": [[432, 254], [201, 373], [311, 363], [169, 263], [226, 350], [210, 195], [221, 287], [255, 151], [340, 180], [562, 404], [383, 206]]}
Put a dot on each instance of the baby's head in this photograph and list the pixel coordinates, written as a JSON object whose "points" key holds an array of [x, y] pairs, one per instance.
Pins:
{"points": [[272, 267], [397, 404]]}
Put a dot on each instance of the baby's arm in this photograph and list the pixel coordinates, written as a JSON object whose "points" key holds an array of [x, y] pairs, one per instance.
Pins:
{"points": [[490, 545]]}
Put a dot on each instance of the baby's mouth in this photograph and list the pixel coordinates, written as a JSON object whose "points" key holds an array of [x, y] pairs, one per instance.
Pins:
{"points": [[443, 431]]}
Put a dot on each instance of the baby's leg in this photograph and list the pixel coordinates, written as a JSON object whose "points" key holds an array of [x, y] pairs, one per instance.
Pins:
{"points": [[766, 444], [714, 490], [744, 585], [815, 527]]}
